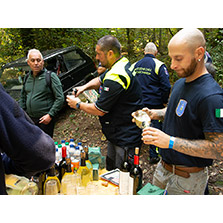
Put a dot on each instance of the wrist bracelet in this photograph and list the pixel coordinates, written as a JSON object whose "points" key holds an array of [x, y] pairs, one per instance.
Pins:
{"points": [[172, 139]]}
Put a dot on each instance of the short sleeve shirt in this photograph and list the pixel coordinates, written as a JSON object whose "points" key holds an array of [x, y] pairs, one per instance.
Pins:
{"points": [[192, 112]]}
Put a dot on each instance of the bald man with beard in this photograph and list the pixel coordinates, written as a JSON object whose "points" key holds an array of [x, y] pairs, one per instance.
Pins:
{"points": [[192, 133]]}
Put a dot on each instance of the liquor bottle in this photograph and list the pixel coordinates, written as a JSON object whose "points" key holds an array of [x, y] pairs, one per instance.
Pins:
{"points": [[67, 183], [88, 162], [52, 183], [135, 179], [62, 165], [83, 171], [124, 175]]}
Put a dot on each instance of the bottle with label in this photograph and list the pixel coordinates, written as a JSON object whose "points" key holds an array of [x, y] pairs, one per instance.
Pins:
{"points": [[135, 178], [77, 154], [124, 175], [52, 183], [62, 165], [88, 162], [83, 171], [67, 183], [72, 151]]}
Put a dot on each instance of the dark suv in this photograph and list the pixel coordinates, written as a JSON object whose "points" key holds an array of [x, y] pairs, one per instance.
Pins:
{"points": [[71, 64]]}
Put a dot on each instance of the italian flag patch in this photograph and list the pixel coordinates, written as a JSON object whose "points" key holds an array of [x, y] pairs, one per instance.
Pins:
{"points": [[219, 113]]}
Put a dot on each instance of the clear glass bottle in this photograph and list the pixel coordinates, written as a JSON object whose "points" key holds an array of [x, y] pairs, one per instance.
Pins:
{"points": [[68, 186], [124, 175], [52, 183], [83, 171]]}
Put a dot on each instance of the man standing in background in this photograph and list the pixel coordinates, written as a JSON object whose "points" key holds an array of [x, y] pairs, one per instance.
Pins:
{"points": [[40, 101], [154, 80]]}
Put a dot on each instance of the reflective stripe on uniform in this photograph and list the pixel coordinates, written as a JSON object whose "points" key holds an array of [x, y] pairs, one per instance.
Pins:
{"points": [[132, 69], [158, 64], [118, 71]]}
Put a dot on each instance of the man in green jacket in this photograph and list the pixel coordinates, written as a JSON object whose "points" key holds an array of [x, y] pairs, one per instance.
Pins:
{"points": [[40, 101]]}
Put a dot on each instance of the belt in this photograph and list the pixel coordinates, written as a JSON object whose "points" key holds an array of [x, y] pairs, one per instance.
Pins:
{"points": [[181, 171]]}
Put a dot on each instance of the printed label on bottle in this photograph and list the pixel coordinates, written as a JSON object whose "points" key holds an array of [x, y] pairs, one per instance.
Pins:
{"points": [[131, 185], [124, 183]]}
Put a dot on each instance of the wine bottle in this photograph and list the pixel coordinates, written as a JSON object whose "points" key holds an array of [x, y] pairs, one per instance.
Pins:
{"points": [[83, 171], [51, 180], [88, 162], [124, 175], [135, 178], [62, 165]]}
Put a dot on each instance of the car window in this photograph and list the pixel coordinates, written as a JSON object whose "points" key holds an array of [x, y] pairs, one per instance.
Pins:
{"points": [[73, 60]]}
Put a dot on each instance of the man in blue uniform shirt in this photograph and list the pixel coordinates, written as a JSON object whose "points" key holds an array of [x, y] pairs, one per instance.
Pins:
{"points": [[154, 81], [192, 134], [120, 96]]}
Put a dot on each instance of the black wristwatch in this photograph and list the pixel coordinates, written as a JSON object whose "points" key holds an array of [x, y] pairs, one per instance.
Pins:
{"points": [[78, 105]]}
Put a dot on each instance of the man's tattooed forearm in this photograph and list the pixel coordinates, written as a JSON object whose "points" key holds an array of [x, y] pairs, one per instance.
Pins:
{"points": [[211, 147]]}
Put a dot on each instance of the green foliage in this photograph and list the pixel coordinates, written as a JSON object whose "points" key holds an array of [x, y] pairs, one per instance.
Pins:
{"points": [[15, 42], [215, 47]]}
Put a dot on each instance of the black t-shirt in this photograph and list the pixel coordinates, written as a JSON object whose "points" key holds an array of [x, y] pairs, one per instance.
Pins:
{"points": [[120, 96], [191, 112]]}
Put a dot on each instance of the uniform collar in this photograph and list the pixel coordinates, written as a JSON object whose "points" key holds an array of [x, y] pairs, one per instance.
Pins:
{"points": [[116, 62], [149, 55]]}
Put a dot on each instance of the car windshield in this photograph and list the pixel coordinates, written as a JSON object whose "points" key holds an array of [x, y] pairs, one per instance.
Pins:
{"points": [[73, 59]]}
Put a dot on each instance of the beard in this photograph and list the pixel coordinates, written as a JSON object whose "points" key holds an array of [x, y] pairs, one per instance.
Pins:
{"points": [[191, 69]]}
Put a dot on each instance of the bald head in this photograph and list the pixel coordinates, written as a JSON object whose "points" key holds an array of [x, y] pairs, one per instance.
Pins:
{"points": [[186, 50], [192, 38]]}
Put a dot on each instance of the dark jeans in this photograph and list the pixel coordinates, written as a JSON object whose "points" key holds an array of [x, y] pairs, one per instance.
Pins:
{"points": [[48, 129], [115, 156]]}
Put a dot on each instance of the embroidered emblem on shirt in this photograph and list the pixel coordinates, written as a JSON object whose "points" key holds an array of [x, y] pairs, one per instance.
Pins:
{"points": [[219, 113], [181, 107], [166, 72], [106, 88]]}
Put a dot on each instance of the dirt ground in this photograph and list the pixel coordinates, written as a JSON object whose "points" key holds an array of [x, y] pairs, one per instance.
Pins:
{"points": [[86, 128]]}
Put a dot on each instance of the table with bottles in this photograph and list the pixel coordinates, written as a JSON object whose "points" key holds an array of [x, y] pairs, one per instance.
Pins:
{"points": [[74, 174], [78, 168]]}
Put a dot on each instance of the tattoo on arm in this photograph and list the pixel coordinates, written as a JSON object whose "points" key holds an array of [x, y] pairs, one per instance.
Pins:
{"points": [[211, 147], [161, 114]]}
